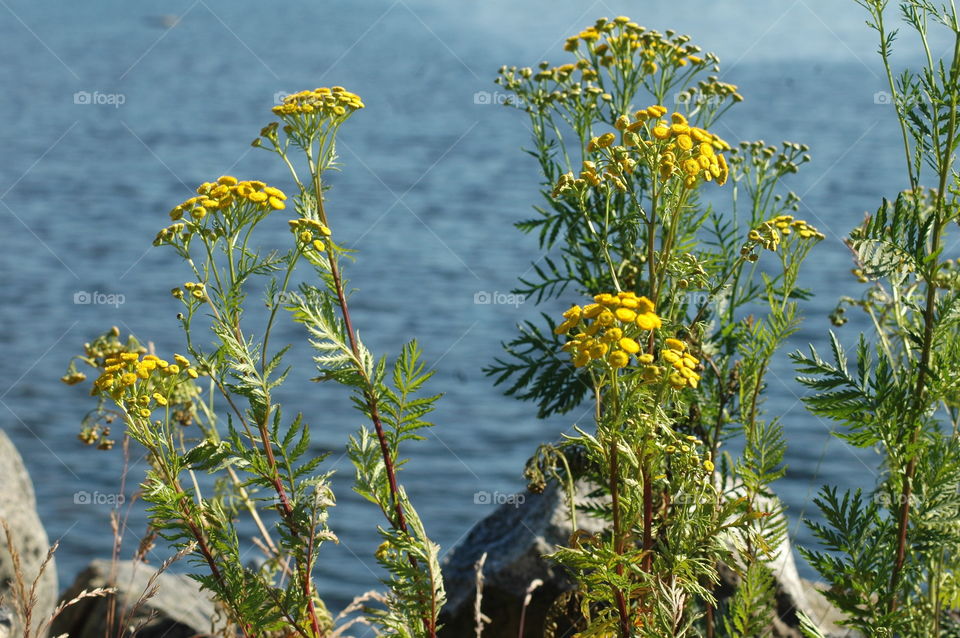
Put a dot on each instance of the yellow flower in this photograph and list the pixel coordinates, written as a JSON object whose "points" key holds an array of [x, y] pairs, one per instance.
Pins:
{"points": [[618, 359], [73, 378], [651, 373], [648, 321], [611, 335], [592, 310], [605, 318], [708, 465], [598, 350], [566, 326], [629, 345], [626, 315], [675, 344]]}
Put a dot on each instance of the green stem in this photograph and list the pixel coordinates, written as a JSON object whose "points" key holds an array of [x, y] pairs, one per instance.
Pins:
{"points": [[929, 318]]}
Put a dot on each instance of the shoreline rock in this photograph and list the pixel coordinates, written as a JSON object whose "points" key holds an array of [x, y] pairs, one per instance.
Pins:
{"points": [[519, 533], [177, 609], [18, 506]]}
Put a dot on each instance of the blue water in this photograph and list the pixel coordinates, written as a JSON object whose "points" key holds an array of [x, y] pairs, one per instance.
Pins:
{"points": [[431, 184]]}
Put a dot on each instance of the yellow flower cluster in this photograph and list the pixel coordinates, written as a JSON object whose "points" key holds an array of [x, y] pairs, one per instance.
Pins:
{"points": [[620, 164], [73, 378], [195, 290], [321, 103], [684, 364], [617, 319], [136, 379], [249, 197], [614, 41], [688, 151], [304, 230], [171, 233], [226, 191], [676, 150], [675, 364], [770, 233]]}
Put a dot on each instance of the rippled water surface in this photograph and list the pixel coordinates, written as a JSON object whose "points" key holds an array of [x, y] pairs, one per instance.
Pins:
{"points": [[432, 182]]}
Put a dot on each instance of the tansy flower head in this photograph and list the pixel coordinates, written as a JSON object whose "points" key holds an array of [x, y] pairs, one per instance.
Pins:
{"points": [[225, 197], [612, 324], [332, 103], [675, 344]]}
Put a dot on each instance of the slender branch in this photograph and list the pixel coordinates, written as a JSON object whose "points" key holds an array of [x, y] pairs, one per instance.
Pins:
{"points": [[369, 394], [929, 318]]}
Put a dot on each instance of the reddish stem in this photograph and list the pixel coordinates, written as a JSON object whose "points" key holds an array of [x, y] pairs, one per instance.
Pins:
{"points": [[287, 512], [400, 522]]}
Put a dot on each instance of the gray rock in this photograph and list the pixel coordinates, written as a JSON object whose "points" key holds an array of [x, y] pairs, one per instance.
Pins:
{"points": [[825, 615], [517, 536], [18, 507], [6, 622], [791, 591], [179, 609]]}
